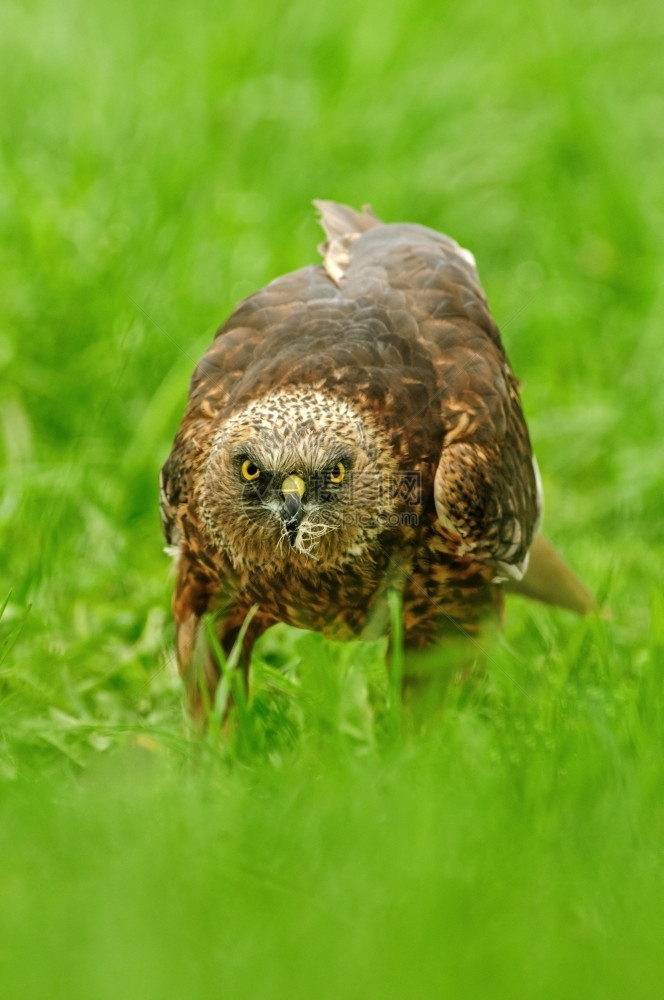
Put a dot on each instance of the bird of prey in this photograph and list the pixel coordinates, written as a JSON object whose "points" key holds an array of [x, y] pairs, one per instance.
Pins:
{"points": [[355, 428]]}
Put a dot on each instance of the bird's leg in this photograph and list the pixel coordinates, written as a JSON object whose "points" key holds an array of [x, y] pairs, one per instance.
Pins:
{"points": [[229, 637], [427, 675], [201, 668], [419, 679], [200, 663], [198, 668], [234, 663]]}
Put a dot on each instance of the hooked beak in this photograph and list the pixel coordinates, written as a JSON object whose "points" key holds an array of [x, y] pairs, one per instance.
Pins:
{"points": [[292, 489]]}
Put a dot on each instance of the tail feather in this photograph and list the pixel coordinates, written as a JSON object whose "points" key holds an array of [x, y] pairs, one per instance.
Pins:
{"points": [[342, 226], [550, 580], [341, 220]]}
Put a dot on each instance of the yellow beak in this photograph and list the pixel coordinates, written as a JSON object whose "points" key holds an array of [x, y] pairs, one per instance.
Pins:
{"points": [[293, 484]]}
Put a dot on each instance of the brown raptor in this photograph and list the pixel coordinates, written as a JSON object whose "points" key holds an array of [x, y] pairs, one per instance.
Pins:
{"points": [[355, 427]]}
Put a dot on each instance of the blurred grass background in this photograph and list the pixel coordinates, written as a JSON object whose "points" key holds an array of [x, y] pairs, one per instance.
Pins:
{"points": [[158, 163]]}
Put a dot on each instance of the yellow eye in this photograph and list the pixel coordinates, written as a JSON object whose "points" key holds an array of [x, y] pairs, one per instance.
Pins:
{"points": [[338, 473], [249, 470]]}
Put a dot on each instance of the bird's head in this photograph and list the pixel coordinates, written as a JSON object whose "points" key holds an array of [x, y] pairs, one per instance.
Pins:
{"points": [[297, 475]]}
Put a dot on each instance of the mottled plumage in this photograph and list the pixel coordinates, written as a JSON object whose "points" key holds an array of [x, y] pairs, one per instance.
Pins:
{"points": [[355, 426]]}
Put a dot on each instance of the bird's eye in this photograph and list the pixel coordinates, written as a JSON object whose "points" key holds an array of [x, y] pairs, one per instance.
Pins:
{"points": [[250, 470], [338, 473]]}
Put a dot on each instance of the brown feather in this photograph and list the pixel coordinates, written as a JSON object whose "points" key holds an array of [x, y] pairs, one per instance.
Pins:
{"points": [[550, 580], [385, 359]]}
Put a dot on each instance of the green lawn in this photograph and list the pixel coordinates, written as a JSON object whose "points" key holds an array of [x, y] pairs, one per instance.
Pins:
{"points": [[158, 163]]}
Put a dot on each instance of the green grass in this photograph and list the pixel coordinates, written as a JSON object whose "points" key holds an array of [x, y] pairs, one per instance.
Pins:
{"points": [[157, 164]]}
